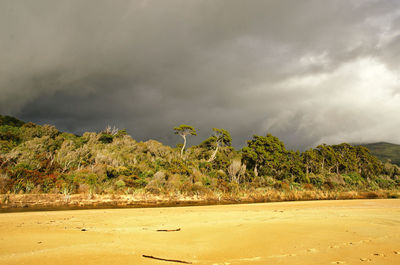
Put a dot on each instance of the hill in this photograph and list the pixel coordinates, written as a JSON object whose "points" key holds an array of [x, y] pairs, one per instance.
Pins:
{"points": [[385, 151]]}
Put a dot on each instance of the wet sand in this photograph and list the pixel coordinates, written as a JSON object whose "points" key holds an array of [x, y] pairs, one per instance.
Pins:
{"points": [[313, 232]]}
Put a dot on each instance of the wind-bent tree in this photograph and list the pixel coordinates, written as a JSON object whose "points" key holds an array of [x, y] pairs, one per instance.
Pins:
{"points": [[221, 137], [184, 130]]}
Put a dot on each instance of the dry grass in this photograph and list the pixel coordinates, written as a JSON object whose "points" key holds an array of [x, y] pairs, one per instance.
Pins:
{"points": [[143, 199]]}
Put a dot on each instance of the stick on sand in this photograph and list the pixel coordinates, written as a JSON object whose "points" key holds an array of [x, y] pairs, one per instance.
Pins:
{"points": [[168, 230], [170, 260]]}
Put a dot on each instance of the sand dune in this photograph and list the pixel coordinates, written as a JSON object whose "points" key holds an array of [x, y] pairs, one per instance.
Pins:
{"points": [[317, 232]]}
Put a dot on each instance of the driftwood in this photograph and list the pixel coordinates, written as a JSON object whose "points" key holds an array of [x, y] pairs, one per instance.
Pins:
{"points": [[169, 260], [168, 230]]}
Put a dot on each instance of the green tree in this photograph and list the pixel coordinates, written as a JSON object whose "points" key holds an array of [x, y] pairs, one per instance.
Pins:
{"points": [[368, 165], [346, 158], [327, 157], [184, 130], [293, 166], [265, 155], [310, 160]]}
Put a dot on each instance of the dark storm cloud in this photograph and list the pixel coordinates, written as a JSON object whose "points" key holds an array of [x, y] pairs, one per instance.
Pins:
{"points": [[306, 71]]}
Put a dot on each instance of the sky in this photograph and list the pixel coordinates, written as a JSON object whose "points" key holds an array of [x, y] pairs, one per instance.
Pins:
{"points": [[306, 71]]}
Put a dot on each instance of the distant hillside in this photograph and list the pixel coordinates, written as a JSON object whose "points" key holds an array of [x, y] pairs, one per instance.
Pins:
{"points": [[385, 151]]}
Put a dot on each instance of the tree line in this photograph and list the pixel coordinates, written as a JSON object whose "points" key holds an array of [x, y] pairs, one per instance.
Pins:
{"points": [[36, 158]]}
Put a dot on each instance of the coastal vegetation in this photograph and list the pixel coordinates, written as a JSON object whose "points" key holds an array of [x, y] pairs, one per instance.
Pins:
{"points": [[37, 159]]}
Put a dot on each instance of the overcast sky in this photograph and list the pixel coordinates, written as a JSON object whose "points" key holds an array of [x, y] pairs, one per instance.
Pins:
{"points": [[306, 71]]}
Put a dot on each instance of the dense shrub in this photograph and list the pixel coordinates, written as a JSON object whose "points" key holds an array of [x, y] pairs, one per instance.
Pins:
{"points": [[106, 138], [385, 183], [353, 179]]}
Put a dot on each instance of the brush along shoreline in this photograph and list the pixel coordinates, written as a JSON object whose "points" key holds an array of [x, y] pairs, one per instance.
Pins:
{"points": [[37, 202]]}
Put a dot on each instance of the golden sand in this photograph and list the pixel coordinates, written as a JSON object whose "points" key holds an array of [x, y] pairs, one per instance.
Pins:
{"points": [[314, 232]]}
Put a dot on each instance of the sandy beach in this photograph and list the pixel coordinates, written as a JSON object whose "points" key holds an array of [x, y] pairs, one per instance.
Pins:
{"points": [[313, 232]]}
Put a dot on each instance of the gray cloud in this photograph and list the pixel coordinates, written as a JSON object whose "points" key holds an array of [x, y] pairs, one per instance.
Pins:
{"points": [[307, 71]]}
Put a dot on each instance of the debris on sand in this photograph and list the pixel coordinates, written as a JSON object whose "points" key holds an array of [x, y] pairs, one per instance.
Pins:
{"points": [[168, 230], [169, 260]]}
